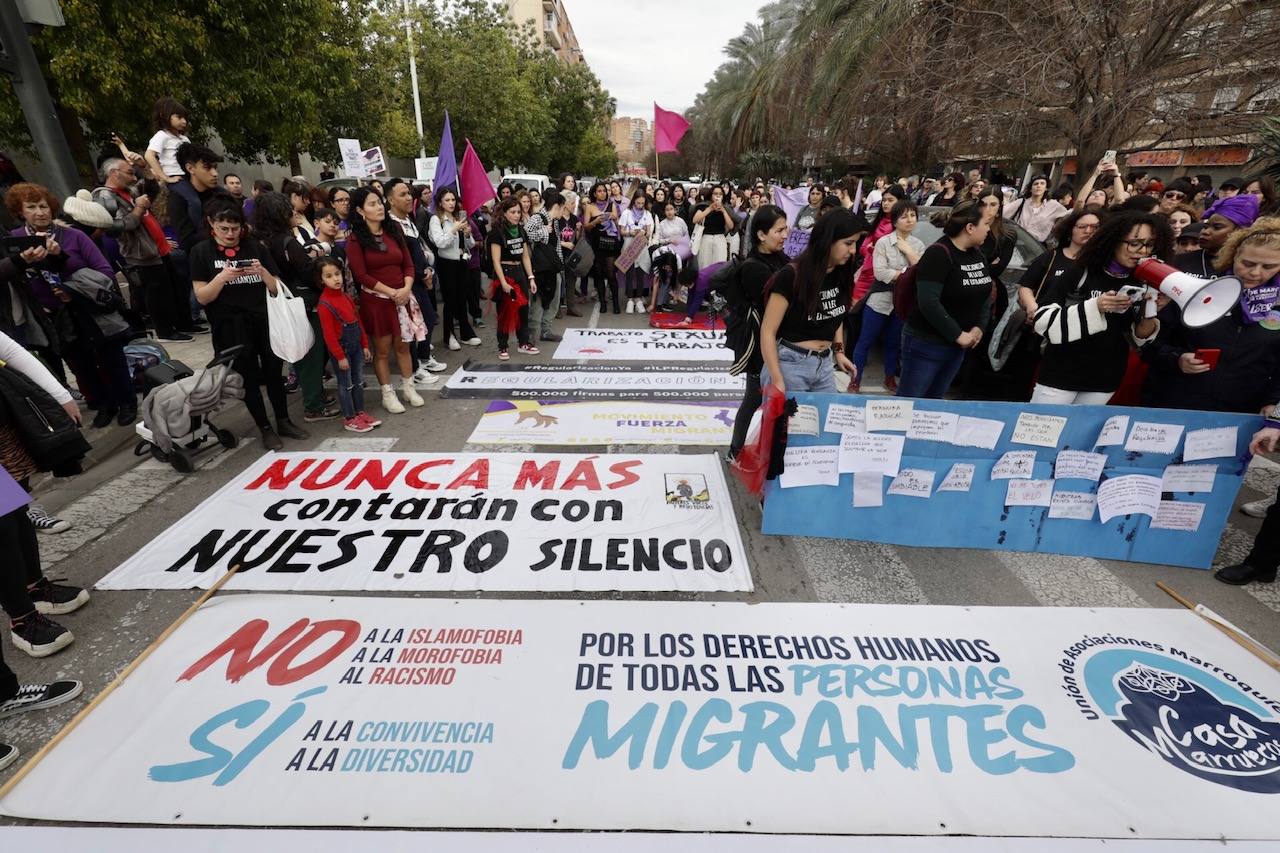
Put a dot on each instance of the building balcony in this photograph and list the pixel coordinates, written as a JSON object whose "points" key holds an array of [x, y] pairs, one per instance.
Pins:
{"points": [[551, 27]]}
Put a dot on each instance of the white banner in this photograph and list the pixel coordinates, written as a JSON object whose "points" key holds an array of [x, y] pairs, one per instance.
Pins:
{"points": [[193, 840], [459, 521], [352, 163], [644, 345], [592, 381], [619, 422], [372, 161], [289, 710]]}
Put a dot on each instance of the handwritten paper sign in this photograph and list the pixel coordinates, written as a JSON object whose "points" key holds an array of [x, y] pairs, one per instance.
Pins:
{"points": [[1075, 505], [1209, 444], [868, 490], [804, 421], [1014, 464], [868, 453], [1178, 515], [978, 432], [1153, 438], [958, 479], [1127, 495], [1188, 478], [842, 418], [1040, 430], [1029, 493], [810, 466], [913, 483], [933, 426], [1113, 431], [1079, 464], [889, 415]]}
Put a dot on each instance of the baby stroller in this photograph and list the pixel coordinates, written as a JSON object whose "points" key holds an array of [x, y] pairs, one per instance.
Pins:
{"points": [[175, 425]]}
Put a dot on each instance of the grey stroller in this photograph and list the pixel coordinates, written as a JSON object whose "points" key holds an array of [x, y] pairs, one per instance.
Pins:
{"points": [[175, 425]]}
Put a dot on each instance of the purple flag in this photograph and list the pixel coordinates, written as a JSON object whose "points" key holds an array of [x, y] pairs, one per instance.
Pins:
{"points": [[791, 201], [857, 198], [447, 164]]}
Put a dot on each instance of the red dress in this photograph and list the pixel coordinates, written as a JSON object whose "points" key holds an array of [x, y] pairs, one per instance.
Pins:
{"points": [[390, 266]]}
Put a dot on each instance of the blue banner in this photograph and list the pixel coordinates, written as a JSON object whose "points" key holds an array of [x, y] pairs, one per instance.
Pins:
{"points": [[980, 515]]}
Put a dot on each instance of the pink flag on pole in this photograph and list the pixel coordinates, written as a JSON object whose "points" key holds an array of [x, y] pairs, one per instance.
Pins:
{"points": [[668, 128], [476, 189]]}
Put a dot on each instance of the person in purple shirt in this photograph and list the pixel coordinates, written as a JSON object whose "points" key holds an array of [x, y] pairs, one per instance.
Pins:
{"points": [[98, 361]]}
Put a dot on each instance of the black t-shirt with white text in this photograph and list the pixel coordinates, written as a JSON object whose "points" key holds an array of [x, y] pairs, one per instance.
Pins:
{"points": [[966, 286], [510, 238], [798, 324], [244, 293]]}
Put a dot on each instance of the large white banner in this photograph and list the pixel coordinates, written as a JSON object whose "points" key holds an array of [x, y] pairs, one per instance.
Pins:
{"points": [[270, 710], [554, 422], [644, 345], [455, 521], [592, 381], [191, 840]]}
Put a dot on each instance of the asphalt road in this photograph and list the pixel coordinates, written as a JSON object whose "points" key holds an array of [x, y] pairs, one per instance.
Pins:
{"points": [[123, 501]]}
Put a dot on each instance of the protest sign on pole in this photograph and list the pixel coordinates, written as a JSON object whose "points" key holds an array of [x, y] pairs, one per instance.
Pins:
{"points": [[300, 710], [455, 521], [352, 162], [373, 161]]}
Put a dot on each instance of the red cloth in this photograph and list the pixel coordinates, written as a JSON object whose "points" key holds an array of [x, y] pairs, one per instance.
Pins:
{"points": [[149, 222], [1130, 390], [509, 310], [371, 267], [331, 326], [751, 466], [866, 273]]}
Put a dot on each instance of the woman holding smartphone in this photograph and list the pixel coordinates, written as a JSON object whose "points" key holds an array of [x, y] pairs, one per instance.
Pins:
{"points": [[232, 275]]}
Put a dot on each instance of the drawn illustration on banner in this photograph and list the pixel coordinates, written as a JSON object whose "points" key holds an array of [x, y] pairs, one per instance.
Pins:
{"points": [[688, 490], [1178, 710]]}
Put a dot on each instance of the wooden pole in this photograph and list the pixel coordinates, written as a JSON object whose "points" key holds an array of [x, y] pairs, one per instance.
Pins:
{"points": [[657, 170], [110, 688], [1244, 641]]}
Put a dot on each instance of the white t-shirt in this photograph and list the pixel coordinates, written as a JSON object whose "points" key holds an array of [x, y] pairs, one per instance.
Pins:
{"points": [[165, 144]]}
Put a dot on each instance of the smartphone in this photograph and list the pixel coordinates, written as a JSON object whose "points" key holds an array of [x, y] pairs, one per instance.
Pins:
{"points": [[1209, 356], [1109, 156], [14, 246], [240, 263]]}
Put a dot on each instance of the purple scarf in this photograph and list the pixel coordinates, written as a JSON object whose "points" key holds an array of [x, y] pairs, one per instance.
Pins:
{"points": [[1257, 302]]}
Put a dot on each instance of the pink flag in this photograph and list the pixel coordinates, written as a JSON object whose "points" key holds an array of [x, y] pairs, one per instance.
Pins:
{"points": [[476, 189], [668, 128]]}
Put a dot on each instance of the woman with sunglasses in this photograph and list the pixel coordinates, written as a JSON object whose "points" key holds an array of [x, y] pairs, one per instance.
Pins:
{"points": [[1177, 192], [1088, 323]]}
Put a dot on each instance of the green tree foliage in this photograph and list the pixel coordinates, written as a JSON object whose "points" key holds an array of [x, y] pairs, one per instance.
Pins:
{"points": [[276, 78]]}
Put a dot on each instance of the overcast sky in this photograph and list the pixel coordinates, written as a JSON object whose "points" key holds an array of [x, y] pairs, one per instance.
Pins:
{"points": [[656, 50]]}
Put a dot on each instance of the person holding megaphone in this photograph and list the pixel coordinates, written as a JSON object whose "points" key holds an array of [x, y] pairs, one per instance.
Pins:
{"points": [[1231, 364], [1090, 318]]}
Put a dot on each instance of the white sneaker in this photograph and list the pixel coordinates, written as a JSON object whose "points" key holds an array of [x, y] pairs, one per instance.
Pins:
{"points": [[422, 375], [390, 401], [1257, 509], [411, 394], [425, 380], [631, 307], [472, 342], [453, 344], [435, 366]]}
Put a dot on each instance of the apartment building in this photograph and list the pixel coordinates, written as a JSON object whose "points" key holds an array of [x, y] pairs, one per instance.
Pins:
{"points": [[552, 21]]}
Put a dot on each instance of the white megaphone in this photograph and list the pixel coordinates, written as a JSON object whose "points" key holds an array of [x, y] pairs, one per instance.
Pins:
{"points": [[1202, 300]]}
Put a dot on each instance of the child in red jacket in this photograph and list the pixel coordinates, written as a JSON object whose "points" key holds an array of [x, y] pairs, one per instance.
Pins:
{"points": [[347, 343]]}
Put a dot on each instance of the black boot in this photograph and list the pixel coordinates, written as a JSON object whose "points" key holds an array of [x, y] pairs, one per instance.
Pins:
{"points": [[1242, 573], [104, 417]]}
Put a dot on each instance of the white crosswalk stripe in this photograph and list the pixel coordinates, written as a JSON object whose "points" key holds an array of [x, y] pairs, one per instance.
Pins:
{"points": [[1057, 580], [851, 571]]}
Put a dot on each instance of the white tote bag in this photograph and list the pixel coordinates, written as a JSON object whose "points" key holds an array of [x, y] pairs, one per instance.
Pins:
{"points": [[291, 335]]}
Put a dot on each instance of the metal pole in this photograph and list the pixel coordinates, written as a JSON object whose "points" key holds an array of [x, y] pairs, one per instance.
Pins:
{"points": [[19, 61], [413, 76]]}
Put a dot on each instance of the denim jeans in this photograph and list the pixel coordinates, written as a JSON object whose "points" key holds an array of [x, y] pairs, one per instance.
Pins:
{"points": [[928, 368], [540, 317], [803, 371], [879, 327], [350, 394]]}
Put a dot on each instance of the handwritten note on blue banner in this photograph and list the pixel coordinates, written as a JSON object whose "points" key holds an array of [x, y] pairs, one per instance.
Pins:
{"points": [[981, 516]]}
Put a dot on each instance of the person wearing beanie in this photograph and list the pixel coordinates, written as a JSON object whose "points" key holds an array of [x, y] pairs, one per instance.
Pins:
{"points": [[1154, 188], [1230, 187], [1222, 217], [1177, 192]]}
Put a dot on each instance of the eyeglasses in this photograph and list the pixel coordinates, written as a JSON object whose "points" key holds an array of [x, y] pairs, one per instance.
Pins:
{"points": [[1175, 195], [1139, 245]]}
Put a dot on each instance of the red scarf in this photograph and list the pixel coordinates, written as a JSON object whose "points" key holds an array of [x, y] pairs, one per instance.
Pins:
{"points": [[148, 222], [509, 313]]}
